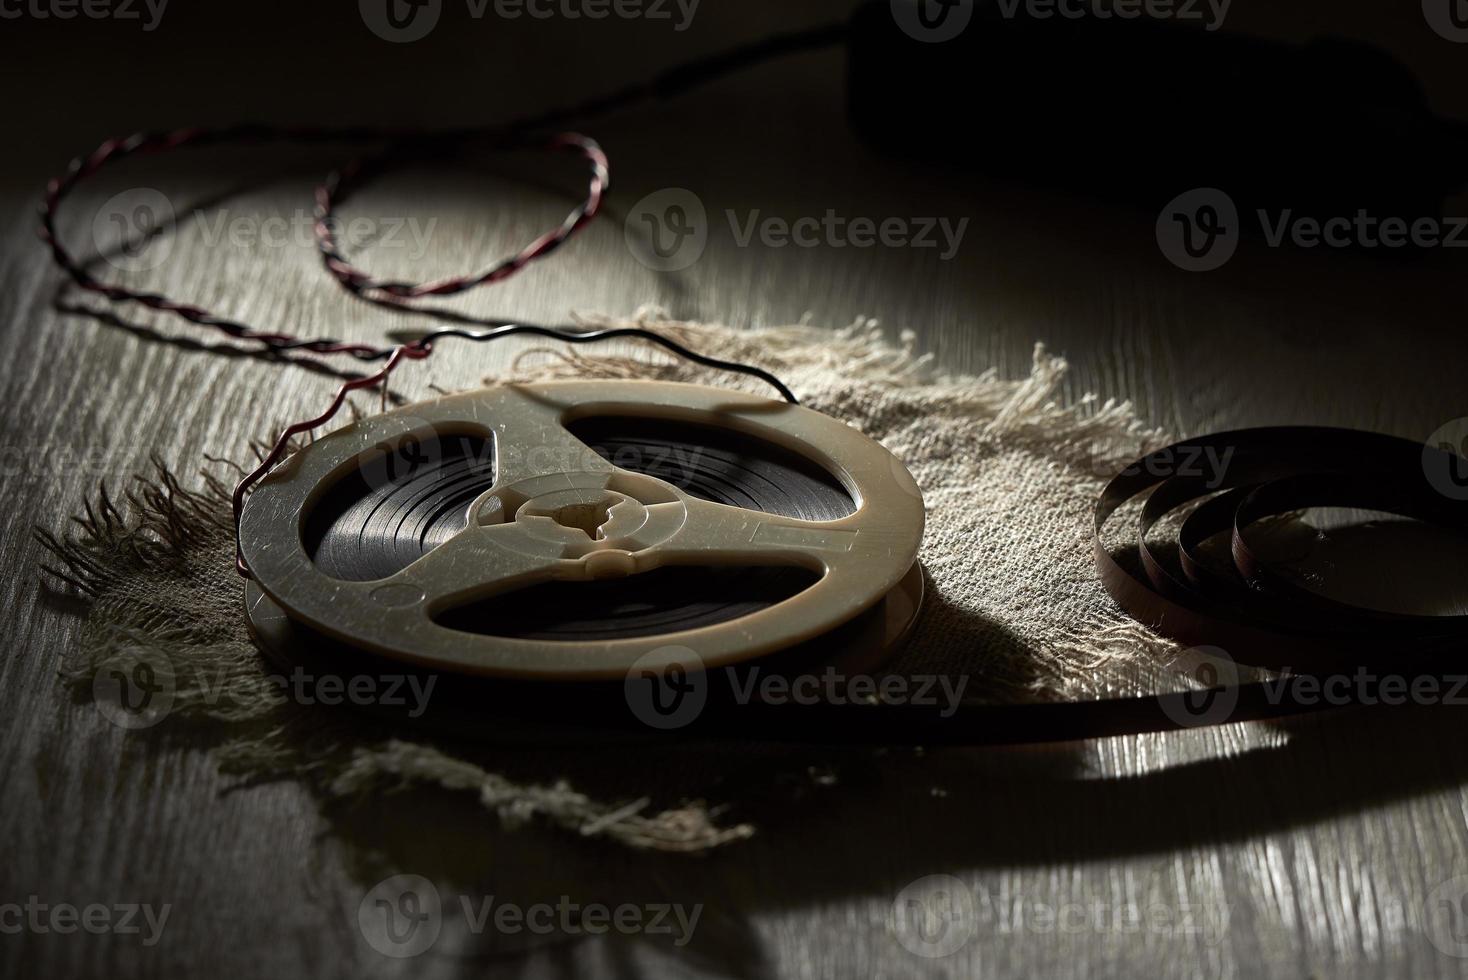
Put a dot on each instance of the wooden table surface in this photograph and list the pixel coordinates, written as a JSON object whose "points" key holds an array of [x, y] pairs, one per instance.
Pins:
{"points": [[1331, 846]]}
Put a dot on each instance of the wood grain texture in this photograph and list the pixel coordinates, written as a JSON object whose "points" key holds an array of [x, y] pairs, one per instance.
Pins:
{"points": [[1312, 849]]}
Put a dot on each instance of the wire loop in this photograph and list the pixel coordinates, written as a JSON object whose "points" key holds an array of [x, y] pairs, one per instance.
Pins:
{"points": [[339, 184]]}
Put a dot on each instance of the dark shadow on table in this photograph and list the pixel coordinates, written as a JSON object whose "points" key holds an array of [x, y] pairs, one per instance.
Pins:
{"points": [[836, 821]]}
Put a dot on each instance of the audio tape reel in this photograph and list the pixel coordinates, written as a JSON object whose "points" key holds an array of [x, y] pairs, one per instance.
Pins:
{"points": [[570, 530]]}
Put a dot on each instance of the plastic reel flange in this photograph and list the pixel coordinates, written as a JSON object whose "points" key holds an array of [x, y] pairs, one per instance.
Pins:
{"points": [[538, 522]]}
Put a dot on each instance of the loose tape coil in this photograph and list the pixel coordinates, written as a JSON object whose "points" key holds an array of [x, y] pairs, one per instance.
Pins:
{"points": [[1247, 608]]}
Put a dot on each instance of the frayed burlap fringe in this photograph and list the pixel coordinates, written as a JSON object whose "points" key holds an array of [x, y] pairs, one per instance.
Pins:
{"points": [[1007, 471], [158, 570]]}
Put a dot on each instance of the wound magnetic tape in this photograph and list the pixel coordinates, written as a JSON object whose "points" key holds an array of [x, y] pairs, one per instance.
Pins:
{"points": [[577, 530]]}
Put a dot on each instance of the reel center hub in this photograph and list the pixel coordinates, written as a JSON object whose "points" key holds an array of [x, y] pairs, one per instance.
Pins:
{"points": [[576, 515], [586, 517]]}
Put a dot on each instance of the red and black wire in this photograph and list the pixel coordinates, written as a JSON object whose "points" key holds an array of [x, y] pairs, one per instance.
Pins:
{"points": [[339, 184]]}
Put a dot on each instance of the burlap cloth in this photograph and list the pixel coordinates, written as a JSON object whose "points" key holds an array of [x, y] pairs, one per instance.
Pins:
{"points": [[1009, 476]]}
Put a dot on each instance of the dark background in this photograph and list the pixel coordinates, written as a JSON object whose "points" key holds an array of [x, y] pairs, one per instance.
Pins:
{"points": [[1323, 840]]}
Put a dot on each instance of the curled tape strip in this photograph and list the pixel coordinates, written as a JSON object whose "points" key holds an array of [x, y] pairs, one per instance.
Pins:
{"points": [[1260, 617]]}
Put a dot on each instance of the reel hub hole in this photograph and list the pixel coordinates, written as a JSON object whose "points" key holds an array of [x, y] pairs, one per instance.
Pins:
{"points": [[585, 517]]}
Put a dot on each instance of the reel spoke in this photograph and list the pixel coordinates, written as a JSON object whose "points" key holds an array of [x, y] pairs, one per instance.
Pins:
{"points": [[531, 442], [716, 533], [473, 564]]}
